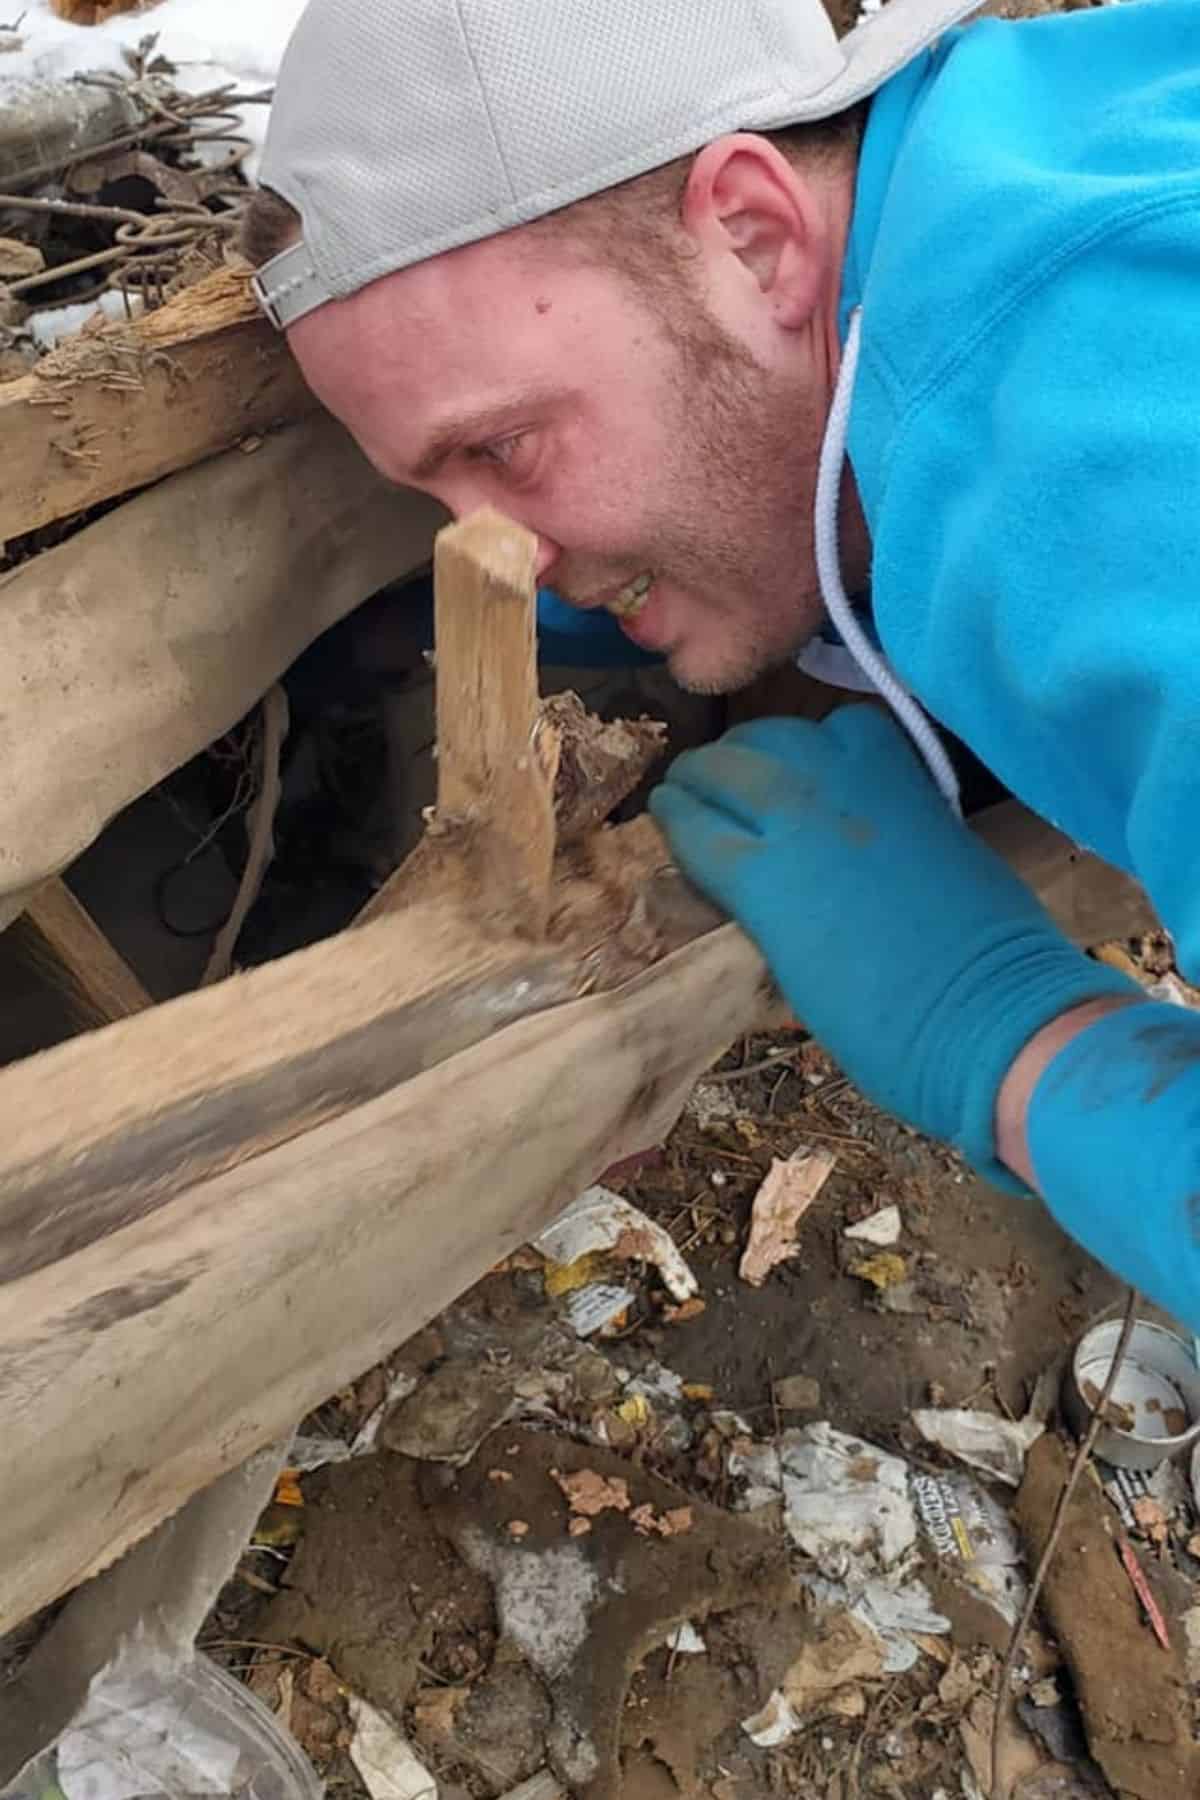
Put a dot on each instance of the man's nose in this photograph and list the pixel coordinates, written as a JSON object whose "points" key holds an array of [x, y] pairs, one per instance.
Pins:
{"points": [[463, 501]]}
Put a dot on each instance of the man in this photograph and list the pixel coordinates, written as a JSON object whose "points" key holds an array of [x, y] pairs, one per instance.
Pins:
{"points": [[662, 282]]}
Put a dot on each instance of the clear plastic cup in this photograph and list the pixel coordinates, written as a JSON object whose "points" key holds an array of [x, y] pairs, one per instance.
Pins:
{"points": [[152, 1729]]}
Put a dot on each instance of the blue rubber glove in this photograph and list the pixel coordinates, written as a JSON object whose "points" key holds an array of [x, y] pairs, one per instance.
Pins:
{"points": [[909, 950]]}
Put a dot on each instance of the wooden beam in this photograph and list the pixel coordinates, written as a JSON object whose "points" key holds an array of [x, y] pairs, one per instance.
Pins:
{"points": [[1088, 899], [111, 410], [127, 649], [138, 1369], [60, 935], [496, 769]]}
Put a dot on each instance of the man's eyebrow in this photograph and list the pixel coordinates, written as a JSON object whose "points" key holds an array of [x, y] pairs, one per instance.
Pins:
{"points": [[471, 428]]}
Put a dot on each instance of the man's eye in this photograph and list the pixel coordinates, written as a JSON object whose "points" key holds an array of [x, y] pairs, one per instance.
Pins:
{"points": [[504, 452]]}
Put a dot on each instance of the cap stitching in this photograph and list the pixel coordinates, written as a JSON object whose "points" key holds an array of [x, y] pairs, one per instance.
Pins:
{"points": [[486, 101]]}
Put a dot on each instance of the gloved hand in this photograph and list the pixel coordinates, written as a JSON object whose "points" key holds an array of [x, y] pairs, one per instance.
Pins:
{"points": [[908, 949]]}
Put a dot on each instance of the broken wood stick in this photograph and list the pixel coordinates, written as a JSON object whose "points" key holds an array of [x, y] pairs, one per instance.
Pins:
{"points": [[110, 410], [600, 763], [495, 767]]}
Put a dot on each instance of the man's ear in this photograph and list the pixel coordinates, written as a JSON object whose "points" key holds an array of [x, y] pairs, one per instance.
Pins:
{"points": [[746, 201]]}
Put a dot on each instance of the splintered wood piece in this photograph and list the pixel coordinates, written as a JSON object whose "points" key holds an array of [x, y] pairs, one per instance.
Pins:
{"points": [[495, 769], [61, 935], [136, 1370], [111, 410], [600, 763]]}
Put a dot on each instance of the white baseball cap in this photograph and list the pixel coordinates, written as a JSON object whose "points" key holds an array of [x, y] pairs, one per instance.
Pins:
{"points": [[402, 128]]}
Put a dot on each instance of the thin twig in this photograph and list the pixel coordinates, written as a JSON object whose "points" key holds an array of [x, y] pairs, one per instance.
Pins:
{"points": [[777, 1060], [1082, 1456], [262, 840]]}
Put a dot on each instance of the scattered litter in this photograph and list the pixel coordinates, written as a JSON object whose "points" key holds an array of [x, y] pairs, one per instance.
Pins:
{"points": [[49, 327], [685, 1640], [287, 1488], [773, 1724], [500, 1475], [1151, 1610], [590, 1494], [984, 1441], [974, 1539], [517, 1528], [882, 1228], [843, 1493], [543, 1786], [1149, 1493], [601, 1221], [307, 1453], [847, 1507], [785, 1196], [635, 1411], [710, 1103], [400, 1386], [797, 1393], [313, 1452], [598, 1307], [1150, 1519], [385, 1759], [1156, 1397], [578, 1527], [447, 1417], [671, 1523], [1054, 1722], [1019, 1756], [153, 1729], [842, 1651], [883, 1271], [655, 1382], [689, 1309]]}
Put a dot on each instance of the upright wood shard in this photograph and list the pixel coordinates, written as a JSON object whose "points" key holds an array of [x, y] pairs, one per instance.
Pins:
{"points": [[495, 769]]}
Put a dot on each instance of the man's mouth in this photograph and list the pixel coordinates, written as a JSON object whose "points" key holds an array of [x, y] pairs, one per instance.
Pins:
{"points": [[628, 603]]}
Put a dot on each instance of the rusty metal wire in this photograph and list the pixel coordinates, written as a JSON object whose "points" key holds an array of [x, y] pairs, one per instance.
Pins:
{"points": [[147, 248]]}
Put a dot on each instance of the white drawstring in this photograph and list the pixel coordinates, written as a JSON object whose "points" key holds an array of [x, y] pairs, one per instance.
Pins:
{"points": [[873, 665]]}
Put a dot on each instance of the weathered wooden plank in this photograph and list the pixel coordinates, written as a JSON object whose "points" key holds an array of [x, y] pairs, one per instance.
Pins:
{"points": [[107, 412], [127, 649], [140, 1368], [1087, 898], [60, 934]]}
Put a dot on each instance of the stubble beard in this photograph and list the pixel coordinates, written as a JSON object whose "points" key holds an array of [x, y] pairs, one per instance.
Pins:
{"points": [[732, 528], [739, 542]]}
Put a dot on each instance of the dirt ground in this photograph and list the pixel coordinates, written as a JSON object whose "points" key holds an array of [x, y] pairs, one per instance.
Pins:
{"points": [[401, 1577]]}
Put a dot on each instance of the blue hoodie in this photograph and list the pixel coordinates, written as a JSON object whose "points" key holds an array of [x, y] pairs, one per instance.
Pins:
{"points": [[1025, 435]]}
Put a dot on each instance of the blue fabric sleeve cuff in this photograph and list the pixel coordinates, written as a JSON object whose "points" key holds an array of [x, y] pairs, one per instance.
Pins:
{"points": [[584, 640], [1114, 1137]]}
